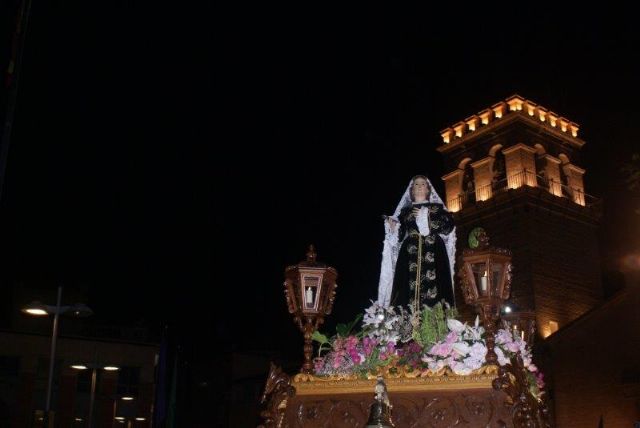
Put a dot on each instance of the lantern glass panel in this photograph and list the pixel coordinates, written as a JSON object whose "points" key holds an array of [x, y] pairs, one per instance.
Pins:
{"points": [[481, 278], [496, 277], [310, 288]]}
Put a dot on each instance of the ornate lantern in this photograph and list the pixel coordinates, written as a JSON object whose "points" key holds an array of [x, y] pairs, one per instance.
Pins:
{"points": [[486, 283], [521, 322], [310, 289]]}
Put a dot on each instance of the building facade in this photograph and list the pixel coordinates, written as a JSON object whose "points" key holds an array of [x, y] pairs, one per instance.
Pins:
{"points": [[24, 364], [514, 170]]}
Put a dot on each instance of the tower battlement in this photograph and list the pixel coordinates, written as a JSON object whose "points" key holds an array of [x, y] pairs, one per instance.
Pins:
{"points": [[513, 144], [489, 118]]}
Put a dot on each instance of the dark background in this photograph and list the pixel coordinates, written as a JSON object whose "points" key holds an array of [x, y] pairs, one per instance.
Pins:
{"points": [[173, 160]]}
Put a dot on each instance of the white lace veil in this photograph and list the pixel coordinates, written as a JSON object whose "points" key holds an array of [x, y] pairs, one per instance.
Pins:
{"points": [[391, 245]]}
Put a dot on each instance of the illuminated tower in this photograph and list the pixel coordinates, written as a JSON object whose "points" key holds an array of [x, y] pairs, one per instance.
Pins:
{"points": [[514, 172]]}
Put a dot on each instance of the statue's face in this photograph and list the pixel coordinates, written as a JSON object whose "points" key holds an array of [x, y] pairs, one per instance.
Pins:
{"points": [[420, 189]]}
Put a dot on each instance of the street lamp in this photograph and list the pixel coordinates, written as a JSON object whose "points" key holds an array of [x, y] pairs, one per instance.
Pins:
{"points": [[310, 288], [39, 309], [94, 375]]}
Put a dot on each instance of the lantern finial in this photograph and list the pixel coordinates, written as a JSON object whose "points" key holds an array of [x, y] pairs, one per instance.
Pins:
{"points": [[483, 239], [311, 254]]}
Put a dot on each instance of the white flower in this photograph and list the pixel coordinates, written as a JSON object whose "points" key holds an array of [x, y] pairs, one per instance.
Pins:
{"points": [[455, 325], [478, 351], [461, 348], [473, 363], [502, 360]]}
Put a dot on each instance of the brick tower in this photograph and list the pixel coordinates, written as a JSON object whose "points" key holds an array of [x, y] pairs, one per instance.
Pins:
{"points": [[514, 172]]}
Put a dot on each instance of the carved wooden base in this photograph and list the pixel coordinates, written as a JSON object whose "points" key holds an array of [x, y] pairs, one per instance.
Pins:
{"points": [[480, 408], [484, 399]]}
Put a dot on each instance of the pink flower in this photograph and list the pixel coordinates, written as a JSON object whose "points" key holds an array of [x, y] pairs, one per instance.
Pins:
{"points": [[388, 351], [503, 337], [441, 349], [452, 337], [351, 342], [512, 346], [318, 364], [368, 345]]}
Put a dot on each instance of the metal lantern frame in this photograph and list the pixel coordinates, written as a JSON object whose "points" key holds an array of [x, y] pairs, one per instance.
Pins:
{"points": [[486, 285], [310, 289]]}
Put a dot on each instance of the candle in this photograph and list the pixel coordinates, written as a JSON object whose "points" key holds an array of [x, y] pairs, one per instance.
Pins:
{"points": [[309, 296], [483, 283]]}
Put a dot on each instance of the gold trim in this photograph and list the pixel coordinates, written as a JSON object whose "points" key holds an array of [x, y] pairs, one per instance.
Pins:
{"points": [[482, 378], [416, 299]]}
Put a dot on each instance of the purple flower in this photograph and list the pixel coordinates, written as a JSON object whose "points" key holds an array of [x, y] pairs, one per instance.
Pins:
{"points": [[368, 344]]}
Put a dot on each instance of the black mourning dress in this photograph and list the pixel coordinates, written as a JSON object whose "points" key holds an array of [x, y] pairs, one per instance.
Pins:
{"points": [[423, 260]]}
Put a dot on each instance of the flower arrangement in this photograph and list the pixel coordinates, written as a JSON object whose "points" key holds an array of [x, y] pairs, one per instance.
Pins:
{"points": [[426, 342]]}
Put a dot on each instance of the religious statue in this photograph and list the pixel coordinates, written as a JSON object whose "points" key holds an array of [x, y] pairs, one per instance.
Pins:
{"points": [[380, 412], [418, 253]]}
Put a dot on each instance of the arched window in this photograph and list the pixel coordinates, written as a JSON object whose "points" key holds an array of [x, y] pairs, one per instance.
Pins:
{"points": [[498, 168], [468, 183], [541, 166]]}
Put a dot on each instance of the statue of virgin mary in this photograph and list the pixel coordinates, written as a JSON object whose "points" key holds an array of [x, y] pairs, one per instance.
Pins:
{"points": [[418, 253]]}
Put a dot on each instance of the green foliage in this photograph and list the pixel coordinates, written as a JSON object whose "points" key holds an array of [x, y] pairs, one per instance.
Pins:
{"points": [[321, 339], [343, 330], [432, 327]]}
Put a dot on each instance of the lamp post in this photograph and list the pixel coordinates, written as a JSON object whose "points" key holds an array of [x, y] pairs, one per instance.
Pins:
{"points": [[39, 309], [94, 379], [486, 284], [310, 289]]}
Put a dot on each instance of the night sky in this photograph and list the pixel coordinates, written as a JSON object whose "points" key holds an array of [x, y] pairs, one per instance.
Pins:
{"points": [[174, 160]]}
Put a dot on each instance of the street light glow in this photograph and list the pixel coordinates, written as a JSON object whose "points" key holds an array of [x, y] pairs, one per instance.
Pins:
{"points": [[126, 398], [141, 419], [35, 311], [111, 368], [79, 367], [507, 309], [120, 418]]}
